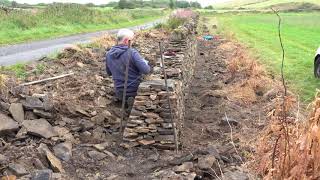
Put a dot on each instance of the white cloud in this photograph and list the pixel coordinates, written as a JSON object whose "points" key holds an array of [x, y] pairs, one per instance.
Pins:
{"points": [[203, 2]]}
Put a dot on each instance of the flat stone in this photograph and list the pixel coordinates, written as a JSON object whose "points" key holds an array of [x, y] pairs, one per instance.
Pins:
{"points": [[63, 151], [17, 169], [163, 139], [42, 113], [68, 120], [110, 154], [236, 175], [45, 174], [17, 112], [206, 162], [154, 120], [167, 125], [151, 115], [142, 129], [181, 159], [147, 142], [163, 131], [102, 146], [55, 163], [4, 106], [33, 103], [86, 125], [185, 167], [97, 155], [39, 127], [129, 134], [7, 125], [129, 145], [153, 97]]}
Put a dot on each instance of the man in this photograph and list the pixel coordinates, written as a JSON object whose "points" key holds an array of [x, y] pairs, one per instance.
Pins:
{"points": [[116, 60]]}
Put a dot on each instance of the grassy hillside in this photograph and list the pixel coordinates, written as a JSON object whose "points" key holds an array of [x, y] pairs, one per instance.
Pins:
{"points": [[301, 39], [64, 19], [256, 4]]}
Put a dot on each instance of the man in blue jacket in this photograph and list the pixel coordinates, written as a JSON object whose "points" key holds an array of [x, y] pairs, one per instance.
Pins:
{"points": [[117, 58]]}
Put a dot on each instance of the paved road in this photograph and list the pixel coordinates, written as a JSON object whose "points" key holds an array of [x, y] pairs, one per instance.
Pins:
{"points": [[33, 51]]}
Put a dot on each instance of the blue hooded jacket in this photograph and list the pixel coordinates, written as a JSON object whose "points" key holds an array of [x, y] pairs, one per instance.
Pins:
{"points": [[116, 60]]}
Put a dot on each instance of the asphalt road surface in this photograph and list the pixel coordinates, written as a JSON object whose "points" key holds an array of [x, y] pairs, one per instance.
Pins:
{"points": [[32, 51]]}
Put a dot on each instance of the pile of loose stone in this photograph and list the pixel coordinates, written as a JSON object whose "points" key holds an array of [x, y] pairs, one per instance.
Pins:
{"points": [[151, 121]]}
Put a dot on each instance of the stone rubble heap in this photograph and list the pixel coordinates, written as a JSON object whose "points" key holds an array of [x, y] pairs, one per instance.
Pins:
{"points": [[150, 120]]}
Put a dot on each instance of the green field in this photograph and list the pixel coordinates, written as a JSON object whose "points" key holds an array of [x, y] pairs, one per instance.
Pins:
{"points": [[301, 39], [65, 19], [256, 4]]}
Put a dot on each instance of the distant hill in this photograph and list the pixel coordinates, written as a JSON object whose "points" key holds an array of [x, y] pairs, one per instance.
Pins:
{"points": [[263, 4]]}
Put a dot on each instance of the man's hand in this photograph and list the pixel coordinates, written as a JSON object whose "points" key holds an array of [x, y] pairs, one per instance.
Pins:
{"points": [[145, 61]]}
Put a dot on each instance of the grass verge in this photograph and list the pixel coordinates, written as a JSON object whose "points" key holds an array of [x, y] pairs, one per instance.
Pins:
{"points": [[300, 36], [66, 19]]}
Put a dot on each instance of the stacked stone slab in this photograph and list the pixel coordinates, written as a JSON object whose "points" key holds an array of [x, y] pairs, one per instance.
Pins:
{"points": [[150, 120]]}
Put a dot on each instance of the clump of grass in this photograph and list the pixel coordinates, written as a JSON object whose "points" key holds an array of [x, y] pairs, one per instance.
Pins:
{"points": [[19, 70], [40, 69]]}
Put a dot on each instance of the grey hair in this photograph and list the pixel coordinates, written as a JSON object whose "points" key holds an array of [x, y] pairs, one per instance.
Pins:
{"points": [[124, 33]]}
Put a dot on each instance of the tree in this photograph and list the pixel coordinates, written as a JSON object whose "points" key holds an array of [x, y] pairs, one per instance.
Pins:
{"points": [[182, 4], [171, 4], [90, 5], [14, 4], [209, 7], [195, 5], [123, 4]]}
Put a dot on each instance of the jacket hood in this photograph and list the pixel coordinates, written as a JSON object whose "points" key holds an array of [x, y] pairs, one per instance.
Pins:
{"points": [[117, 51]]}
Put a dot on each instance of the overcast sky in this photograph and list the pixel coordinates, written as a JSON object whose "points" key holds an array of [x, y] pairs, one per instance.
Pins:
{"points": [[203, 2]]}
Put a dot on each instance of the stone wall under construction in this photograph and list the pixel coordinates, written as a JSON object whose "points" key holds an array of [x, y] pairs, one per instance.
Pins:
{"points": [[150, 120]]}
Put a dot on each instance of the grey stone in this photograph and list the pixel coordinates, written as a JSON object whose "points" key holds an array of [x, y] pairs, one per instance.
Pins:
{"points": [[42, 113], [102, 146], [236, 175], [164, 139], [182, 159], [17, 169], [54, 162], [96, 155], [45, 174], [40, 127], [86, 125], [33, 103], [4, 106], [17, 112], [7, 125], [206, 162], [185, 167], [163, 131], [63, 151], [3, 159]]}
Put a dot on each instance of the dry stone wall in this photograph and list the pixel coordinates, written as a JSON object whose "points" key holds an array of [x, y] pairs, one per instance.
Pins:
{"points": [[150, 120]]}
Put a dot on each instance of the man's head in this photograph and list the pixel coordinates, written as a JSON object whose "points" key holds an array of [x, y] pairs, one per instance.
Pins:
{"points": [[125, 36]]}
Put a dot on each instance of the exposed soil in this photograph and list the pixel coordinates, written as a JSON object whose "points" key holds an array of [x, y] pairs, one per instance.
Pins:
{"points": [[226, 108]]}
